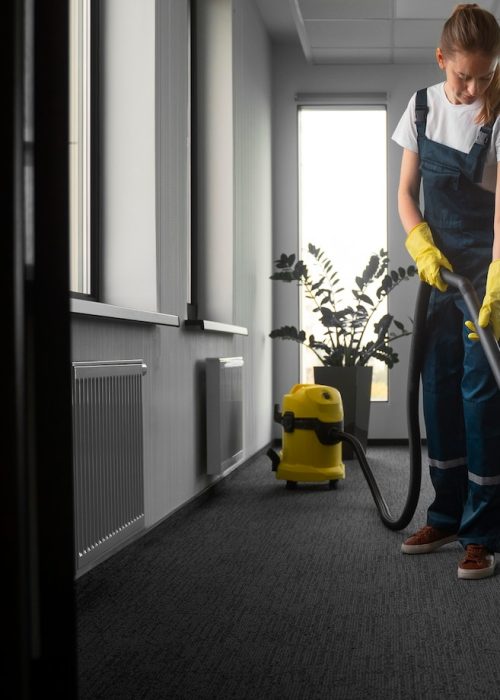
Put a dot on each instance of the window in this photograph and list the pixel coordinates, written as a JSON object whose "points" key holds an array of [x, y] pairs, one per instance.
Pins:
{"points": [[342, 201], [79, 147], [113, 250]]}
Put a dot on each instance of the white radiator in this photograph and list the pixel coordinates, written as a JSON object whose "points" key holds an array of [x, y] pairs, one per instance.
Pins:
{"points": [[224, 410], [107, 456]]}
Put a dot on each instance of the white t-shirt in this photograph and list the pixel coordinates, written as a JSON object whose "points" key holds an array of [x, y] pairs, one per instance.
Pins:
{"points": [[451, 125]]}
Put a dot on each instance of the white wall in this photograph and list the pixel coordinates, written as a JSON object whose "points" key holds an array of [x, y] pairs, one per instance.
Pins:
{"points": [[291, 75]]}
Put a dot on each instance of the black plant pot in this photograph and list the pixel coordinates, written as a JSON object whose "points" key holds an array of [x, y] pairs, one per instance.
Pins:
{"points": [[354, 384]]}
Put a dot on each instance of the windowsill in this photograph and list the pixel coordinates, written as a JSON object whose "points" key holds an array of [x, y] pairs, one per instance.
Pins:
{"points": [[83, 307], [215, 326]]}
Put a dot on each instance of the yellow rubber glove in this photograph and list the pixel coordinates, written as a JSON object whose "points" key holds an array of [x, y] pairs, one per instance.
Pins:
{"points": [[473, 332], [429, 259], [490, 310]]}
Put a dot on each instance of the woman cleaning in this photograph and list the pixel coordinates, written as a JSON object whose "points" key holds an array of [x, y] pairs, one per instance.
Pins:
{"points": [[450, 134]]}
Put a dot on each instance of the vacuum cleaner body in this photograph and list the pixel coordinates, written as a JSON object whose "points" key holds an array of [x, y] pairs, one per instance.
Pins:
{"points": [[311, 417]]}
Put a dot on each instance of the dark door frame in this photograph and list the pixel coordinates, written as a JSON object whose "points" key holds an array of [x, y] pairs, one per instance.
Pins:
{"points": [[39, 621]]}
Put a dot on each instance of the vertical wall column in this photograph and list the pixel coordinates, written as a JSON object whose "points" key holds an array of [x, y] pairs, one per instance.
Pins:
{"points": [[213, 123]]}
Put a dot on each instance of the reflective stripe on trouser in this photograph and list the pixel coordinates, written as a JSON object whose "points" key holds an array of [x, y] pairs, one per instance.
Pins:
{"points": [[459, 390]]}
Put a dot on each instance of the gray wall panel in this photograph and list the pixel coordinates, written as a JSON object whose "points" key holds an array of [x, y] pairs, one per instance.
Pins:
{"points": [[173, 386], [253, 208]]}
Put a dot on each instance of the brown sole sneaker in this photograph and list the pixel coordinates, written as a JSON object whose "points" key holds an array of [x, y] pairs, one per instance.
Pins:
{"points": [[427, 540], [477, 563]]}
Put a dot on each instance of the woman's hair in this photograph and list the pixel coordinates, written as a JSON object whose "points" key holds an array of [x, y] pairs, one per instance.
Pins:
{"points": [[470, 29]]}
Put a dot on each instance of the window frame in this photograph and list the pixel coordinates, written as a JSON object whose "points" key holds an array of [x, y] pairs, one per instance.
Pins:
{"points": [[338, 102], [207, 307], [93, 131]]}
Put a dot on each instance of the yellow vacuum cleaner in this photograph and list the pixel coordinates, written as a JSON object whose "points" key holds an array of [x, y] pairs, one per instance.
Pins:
{"points": [[312, 451]]}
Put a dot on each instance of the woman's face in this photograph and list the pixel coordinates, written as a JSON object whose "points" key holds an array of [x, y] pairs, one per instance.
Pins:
{"points": [[467, 75]]}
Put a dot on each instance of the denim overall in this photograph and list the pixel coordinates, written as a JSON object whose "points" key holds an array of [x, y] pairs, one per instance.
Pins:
{"points": [[460, 397]]}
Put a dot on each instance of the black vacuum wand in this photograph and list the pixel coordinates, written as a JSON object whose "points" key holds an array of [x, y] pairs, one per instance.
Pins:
{"points": [[492, 352], [486, 337]]}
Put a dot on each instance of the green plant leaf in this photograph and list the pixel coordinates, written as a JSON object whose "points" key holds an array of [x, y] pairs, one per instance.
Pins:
{"points": [[285, 276], [300, 270], [318, 284], [385, 287], [329, 318], [288, 333], [371, 269], [345, 340], [382, 326], [283, 261]]}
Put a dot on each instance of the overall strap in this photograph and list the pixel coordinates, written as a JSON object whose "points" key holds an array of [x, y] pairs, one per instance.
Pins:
{"points": [[477, 154], [421, 110], [483, 138]]}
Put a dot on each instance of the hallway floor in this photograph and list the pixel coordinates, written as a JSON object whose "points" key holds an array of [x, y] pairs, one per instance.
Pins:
{"points": [[260, 592]]}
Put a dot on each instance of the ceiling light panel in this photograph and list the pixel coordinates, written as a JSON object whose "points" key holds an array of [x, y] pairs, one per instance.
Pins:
{"points": [[417, 32], [347, 33], [351, 56], [346, 9], [433, 9]]}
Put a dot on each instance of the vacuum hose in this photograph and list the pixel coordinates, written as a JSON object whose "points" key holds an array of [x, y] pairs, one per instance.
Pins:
{"points": [[492, 352]]}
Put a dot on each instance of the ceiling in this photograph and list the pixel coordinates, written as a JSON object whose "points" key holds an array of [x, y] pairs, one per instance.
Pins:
{"points": [[362, 31]]}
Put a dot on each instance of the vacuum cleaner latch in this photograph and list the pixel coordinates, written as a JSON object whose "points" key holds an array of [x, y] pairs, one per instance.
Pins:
{"points": [[325, 432], [288, 421]]}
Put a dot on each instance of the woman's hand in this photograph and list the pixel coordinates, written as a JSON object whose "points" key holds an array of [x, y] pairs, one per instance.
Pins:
{"points": [[428, 258], [489, 313]]}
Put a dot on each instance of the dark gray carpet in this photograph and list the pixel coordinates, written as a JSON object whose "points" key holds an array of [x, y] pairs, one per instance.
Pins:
{"points": [[260, 592]]}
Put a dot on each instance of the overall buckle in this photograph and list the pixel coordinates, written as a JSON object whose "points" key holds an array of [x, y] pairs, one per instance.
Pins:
{"points": [[483, 137], [421, 114]]}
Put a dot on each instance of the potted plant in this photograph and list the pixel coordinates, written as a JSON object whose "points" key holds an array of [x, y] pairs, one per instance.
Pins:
{"points": [[354, 334]]}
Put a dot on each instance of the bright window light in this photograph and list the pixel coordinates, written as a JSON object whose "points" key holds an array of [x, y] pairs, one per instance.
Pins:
{"points": [[342, 203], [79, 145]]}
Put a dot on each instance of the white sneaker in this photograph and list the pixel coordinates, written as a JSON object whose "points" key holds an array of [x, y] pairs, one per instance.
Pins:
{"points": [[426, 540], [478, 562]]}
